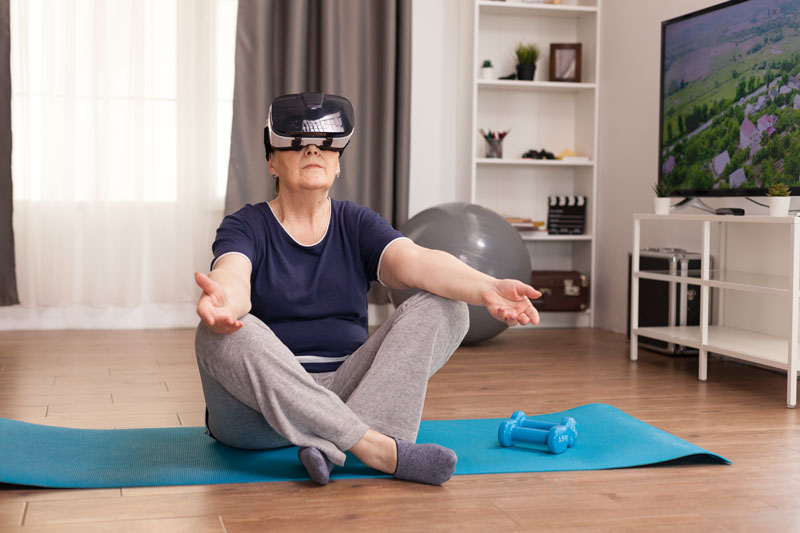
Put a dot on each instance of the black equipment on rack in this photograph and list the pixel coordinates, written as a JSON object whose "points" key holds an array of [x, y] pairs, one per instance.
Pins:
{"points": [[663, 303]]}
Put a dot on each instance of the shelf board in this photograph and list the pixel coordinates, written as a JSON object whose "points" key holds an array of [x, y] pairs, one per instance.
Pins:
{"points": [[565, 87], [539, 10], [749, 346], [663, 276], [685, 335], [747, 219], [544, 236], [733, 280], [519, 162]]}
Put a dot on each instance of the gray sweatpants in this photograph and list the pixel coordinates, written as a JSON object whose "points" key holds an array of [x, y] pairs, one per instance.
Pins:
{"points": [[259, 397]]}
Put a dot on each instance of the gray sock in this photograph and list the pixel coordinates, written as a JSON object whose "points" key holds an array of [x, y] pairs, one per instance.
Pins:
{"points": [[424, 463], [316, 463]]}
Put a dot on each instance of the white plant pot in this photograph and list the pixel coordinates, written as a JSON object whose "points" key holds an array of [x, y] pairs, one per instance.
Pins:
{"points": [[661, 205], [778, 206], [487, 73]]}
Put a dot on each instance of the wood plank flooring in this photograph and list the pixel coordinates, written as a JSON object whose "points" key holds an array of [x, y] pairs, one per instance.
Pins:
{"points": [[120, 379]]}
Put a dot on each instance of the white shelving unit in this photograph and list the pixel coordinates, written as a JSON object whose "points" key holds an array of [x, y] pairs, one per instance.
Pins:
{"points": [[540, 114], [767, 349]]}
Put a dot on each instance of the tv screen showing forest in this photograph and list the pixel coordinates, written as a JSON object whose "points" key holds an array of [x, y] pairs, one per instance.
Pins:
{"points": [[730, 100]]}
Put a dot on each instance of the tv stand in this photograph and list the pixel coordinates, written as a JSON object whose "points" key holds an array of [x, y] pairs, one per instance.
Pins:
{"points": [[778, 348], [693, 201]]}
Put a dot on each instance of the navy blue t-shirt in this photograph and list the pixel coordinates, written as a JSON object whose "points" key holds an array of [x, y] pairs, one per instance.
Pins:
{"points": [[314, 298]]}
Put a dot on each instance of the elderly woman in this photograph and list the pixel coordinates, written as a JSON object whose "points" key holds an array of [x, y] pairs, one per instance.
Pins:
{"points": [[283, 347]]}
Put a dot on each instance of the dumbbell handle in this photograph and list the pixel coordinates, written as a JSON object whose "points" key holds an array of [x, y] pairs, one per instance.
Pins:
{"points": [[570, 423], [537, 436], [556, 438]]}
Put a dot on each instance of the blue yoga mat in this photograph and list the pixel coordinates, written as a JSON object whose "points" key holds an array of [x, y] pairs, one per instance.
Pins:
{"points": [[47, 456]]}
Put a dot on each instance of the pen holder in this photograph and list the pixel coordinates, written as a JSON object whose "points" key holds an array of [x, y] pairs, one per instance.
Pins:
{"points": [[494, 148]]}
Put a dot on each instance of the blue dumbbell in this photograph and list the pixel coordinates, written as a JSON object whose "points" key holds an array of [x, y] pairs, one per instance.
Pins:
{"points": [[556, 438], [568, 421]]}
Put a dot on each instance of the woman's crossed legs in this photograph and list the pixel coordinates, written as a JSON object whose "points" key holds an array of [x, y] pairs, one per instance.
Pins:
{"points": [[258, 396]]}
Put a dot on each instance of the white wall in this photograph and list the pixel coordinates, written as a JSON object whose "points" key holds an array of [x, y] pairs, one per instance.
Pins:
{"points": [[441, 93]]}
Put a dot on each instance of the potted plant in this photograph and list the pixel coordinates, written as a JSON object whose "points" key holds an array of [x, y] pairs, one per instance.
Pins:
{"points": [[487, 70], [778, 200], [527, 55], [662, 202]]}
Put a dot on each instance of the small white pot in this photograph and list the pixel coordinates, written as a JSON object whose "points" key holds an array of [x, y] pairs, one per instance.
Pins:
{"points": [[661, 205], [778, 206], [487, 73]]}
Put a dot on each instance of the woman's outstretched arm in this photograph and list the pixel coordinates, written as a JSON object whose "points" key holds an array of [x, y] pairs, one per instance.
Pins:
{"points": [[407, 265], [226, 293]]}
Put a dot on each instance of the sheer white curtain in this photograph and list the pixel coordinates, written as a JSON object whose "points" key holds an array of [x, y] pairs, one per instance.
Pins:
{"points": [[121, 113]]}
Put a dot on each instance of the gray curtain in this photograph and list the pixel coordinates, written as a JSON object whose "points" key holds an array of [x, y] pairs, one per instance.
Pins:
{"points": [[360, 49], [8, 279]]}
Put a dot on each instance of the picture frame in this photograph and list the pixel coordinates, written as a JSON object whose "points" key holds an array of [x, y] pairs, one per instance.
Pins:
{"points": [[565, 62]]}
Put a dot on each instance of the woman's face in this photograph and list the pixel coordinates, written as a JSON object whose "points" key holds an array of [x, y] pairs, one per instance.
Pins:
{"points": [[308, 169]]}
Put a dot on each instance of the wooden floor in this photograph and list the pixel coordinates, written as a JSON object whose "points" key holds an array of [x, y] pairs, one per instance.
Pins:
{"points": [[102, 379]]}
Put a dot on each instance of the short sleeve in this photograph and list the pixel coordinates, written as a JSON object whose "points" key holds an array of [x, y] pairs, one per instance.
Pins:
{"points": [[235, 235], [375, 233]]}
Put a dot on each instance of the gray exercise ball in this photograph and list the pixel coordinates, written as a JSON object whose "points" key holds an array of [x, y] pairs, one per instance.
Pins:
{"points": [[479, 237]]}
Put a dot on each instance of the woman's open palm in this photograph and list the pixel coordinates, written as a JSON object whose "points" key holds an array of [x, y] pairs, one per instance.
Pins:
{"points": [[509, 301], [213, 306]]}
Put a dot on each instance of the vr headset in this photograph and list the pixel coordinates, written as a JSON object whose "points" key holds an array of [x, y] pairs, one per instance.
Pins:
{"points": [[297, 120]]}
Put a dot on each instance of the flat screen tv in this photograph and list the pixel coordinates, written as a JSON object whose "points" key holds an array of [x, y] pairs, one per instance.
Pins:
{"points": [[730, 99]]}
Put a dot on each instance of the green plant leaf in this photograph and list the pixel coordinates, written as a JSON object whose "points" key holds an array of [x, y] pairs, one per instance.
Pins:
{"points": [[662, 189], [527, 54], [779, 189]]}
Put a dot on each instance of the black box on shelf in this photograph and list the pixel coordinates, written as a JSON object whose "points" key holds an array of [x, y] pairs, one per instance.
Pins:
{"points": [[566, 215], [664, 303]]}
